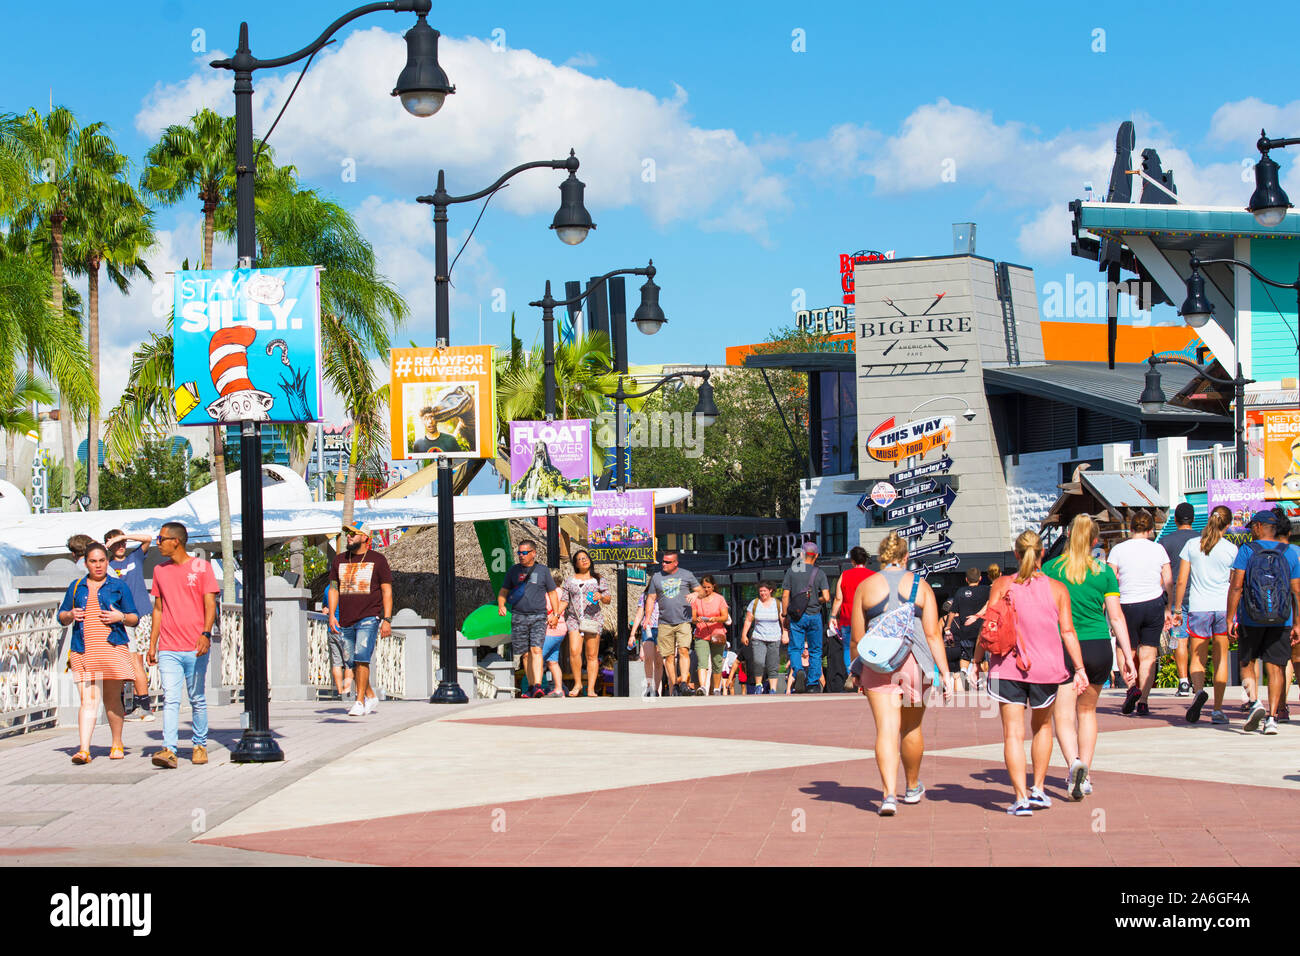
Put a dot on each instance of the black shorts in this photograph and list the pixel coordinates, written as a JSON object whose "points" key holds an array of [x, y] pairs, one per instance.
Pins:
{"points": [[1098, 662], [1145, 621], [1033, 696], [1272, 645]]}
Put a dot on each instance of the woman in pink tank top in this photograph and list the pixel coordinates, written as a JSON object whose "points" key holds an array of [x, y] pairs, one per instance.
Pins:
{"points": [[1030, 678]]}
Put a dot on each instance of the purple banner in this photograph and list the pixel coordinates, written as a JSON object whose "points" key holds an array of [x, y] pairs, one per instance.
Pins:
{"points": [[1242, 496], [550, 463], [621, 527]]}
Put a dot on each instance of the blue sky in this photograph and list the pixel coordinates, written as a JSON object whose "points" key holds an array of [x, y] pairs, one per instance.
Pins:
{"points": [[768, 162]]}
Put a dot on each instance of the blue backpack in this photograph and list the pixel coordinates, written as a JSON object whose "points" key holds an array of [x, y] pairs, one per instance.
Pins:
{"points": [[1267, 586]]}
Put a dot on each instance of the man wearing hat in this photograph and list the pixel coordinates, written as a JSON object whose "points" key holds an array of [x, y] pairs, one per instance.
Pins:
{"points": [[803, 592], [363, 597], [1263, 611]]}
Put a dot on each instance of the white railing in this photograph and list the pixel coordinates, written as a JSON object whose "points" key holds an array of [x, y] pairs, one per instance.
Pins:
{"points": [[1198, 469], [1145, 467], [1227, 462], [387, 663], [30, 639], [232, 645], [485, 683], [318, 650]]}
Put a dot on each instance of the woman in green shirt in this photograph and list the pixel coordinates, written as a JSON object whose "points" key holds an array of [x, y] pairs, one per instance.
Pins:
{"points": [[1094, 599]]}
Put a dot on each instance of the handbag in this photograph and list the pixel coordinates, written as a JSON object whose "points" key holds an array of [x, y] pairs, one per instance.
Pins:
{"points": [[888, 642], [799, 600]]}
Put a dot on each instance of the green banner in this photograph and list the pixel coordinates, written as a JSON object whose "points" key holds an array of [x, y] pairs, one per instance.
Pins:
{"points": [[494, 539]]}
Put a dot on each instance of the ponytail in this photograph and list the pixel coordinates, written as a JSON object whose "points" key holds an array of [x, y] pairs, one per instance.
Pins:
{"points": [[1029, 547], [1218, 522]]}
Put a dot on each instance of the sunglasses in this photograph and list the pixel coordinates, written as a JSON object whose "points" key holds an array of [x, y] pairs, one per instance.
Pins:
{"points": [[522, 553], [162, 538]]}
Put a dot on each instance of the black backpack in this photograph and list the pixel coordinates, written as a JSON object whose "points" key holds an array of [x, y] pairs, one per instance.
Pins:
{"points": [[1267, 586]]}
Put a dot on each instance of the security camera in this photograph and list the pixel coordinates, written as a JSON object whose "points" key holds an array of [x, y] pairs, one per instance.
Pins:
{"points": [[968, 415]]}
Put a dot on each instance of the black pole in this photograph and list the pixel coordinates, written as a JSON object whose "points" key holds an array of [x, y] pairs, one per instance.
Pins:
{"points": [[548, 380], [618, 331], [1239, 387], [257, 745], [449, 690]]}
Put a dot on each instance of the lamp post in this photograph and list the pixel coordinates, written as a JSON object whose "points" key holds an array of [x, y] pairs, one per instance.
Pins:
{"points": [[706, 412], [422, 87], [1153, 397], [648, 318], [572, 223]]}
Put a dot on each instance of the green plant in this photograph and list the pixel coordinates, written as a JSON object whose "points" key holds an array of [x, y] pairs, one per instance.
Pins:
{"points": [[313, 561], [1167, 675]]}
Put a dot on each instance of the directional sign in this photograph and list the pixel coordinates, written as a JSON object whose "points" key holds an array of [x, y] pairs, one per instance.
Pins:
{"points": [[920, 471], [864, 504], [911, 508], [920, 488], [921, 528], [947, 564], [943, 545]]}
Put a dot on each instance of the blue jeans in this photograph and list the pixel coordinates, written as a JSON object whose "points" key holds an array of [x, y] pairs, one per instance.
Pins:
{"points": [[807, 629], [362, 635], [183, 669], [850, 649]]}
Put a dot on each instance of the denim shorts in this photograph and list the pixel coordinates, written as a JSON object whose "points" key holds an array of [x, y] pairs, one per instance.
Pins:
{"points": [[343, 648], [1205, 624], [551, 647], [364, 635], [649, 634]]}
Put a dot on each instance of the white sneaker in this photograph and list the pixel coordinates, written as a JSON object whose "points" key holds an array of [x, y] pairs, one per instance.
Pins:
{"points": [[358, 710], [1087, 786], [1039, 800], [371, 705], [1270, 726]]}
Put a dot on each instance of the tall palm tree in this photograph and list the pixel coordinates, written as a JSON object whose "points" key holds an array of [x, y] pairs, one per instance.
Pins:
{"points": [[112, 229], [63, 159]]}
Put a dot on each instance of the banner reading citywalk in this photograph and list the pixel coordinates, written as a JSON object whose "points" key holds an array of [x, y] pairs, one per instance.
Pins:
{"points": [[621, 527], [550, 463], [442, 402], [246, 346]]}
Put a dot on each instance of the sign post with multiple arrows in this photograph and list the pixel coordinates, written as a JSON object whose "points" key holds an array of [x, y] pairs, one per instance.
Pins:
{"points": [[919, 490]]}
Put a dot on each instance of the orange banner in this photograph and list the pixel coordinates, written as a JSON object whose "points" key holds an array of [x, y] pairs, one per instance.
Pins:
{"points": [[892, 442], [442, 402], [1281, 449]]}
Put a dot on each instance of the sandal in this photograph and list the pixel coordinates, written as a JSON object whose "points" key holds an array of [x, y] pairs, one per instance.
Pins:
{"points": [[116, 753], [81, 757]]}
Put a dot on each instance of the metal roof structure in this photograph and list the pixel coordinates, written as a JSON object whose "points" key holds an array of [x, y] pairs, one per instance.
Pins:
{"points": [[803, 361], [1093, 386], [1110, 497]]}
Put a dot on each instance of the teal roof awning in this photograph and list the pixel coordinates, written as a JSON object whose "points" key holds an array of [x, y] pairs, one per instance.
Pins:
{"points": [[1138, 219]]}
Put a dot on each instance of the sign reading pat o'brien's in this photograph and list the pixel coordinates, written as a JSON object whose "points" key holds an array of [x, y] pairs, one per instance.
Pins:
{"points": [[893, 441]]}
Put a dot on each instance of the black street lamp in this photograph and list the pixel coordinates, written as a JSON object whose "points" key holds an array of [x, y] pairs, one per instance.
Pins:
{"points": [[648, 318], [706, 412], [420, 84], [572, 223], [1153, 397], [1268, 202]]}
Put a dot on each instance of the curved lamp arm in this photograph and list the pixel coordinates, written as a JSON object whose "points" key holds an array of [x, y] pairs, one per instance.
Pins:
{"points": [[1197, 263], [1154, 360], [243, 60], [620, 395], [441, 198], [547, 302]]}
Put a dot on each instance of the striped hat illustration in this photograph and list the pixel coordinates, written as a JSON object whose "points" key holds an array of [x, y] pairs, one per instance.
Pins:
{"points": [[238, 399]]}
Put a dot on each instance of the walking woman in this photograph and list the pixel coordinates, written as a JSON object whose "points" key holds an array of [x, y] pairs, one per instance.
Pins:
{"points": [[898, 700], [99, 608], [1142, 567], [763, 635], [585, 592], [1031, 677], [1206, 569], [711, 617], [1094, 601], [654, 664]]}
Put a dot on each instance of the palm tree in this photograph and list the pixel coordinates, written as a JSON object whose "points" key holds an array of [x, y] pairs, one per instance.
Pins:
{"points": [[111, 229], [17, 395], [63, 160]]}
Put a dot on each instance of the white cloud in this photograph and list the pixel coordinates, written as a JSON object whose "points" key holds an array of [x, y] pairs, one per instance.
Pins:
{"points": [[510, 107], [1238, 123], [579, 60]]}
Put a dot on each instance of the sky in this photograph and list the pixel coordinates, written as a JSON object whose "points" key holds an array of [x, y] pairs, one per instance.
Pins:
{"points": [[743, 148]]}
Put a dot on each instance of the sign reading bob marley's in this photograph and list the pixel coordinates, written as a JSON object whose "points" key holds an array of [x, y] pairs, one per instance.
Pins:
{"points": [[891, 441]]}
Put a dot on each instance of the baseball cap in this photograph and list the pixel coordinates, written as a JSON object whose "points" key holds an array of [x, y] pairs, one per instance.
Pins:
{"points": [[1184, 513], [1264, 517], [356, 527], [810, 547]]}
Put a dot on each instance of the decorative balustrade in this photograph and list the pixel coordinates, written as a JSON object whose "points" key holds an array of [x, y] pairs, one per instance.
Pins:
{"points": [[1145, 467], [31, 638], [232, 646], [1198, 469]]}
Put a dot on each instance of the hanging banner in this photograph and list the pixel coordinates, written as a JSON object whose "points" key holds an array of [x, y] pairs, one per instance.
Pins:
{"points": [[550, 463], [246, 346], [1242, 496], [892, 442], [1281, 448], [442, 402], [621, 527]]}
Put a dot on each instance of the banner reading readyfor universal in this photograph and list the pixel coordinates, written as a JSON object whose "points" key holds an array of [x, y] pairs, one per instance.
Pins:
{"points": [[890, 441], [442, 402], [246, 345]]}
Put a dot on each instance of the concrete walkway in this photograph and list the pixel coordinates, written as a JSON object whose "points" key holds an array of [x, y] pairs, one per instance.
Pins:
{"points": [[748, 780]]}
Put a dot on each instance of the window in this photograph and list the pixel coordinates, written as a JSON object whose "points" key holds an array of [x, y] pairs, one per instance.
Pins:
{"points": [[834, 426], [834, 533]]}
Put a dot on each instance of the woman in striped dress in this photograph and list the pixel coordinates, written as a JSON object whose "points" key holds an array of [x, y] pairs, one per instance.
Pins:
{"points": [[97, 607]]}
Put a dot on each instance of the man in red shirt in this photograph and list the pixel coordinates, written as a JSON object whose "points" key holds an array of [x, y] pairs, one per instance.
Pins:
{"points": [[184, 607], [363, 596]]}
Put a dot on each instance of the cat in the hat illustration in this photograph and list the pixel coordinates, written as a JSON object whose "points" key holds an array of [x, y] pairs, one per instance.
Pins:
{"points": [[238, 399]]}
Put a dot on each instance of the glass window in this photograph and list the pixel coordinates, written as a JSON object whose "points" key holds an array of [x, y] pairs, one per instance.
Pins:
{"points": [[834, 533], [848, 394], [830, 395], [848, 445]]}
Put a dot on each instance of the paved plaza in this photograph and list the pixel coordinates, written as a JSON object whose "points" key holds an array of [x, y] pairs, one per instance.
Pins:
{"points": [[679, 781]]}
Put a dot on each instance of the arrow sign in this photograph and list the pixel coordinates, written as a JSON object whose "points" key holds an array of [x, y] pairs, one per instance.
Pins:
{"points": [[921, 528], [943, 545], [944, 500], [947, 564], [920, 471], [865, 504], [920, 488]]}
